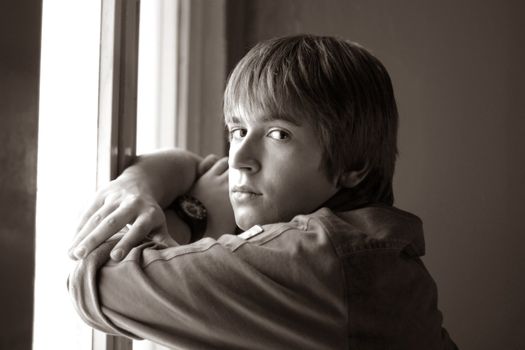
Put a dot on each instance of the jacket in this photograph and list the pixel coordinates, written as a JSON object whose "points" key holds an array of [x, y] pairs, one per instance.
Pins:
{"points": [[328, 280]]}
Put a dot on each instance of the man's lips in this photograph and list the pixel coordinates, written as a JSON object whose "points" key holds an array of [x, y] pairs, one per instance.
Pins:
{"points": [[243, 193], [244, 189]]}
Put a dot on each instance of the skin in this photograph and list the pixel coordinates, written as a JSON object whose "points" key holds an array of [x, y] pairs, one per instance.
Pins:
{"points": [[136, 198], [273, 173], [275, 170], [212, 190]]}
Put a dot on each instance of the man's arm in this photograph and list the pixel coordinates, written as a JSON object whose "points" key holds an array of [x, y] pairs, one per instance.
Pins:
{"points": [[211, 189], [267, 292], [136, 197]]}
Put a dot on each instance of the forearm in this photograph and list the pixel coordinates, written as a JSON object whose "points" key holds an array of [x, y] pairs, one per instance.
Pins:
{"points": [[163, 175], [200, 295], [135, 198]]}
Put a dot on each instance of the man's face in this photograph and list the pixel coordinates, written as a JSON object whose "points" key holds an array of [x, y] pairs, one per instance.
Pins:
{"points": [[274, 170]]}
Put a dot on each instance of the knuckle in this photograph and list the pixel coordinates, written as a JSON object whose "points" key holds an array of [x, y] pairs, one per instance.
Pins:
{"points": [[110, 197], [101, 193], [136, 235], [97, 218], [151, 215], [111, 221], [90, 243], [153, 209], [138, 226], [124, 244], [133, 198], [132, 201]]}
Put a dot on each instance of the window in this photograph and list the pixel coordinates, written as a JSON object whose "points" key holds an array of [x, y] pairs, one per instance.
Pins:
{"points": [[66, 161], [90, 124], [157, 75], [182, 73]]}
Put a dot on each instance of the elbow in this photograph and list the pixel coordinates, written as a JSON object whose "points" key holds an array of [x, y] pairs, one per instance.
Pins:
{"points": [[80, 294], [82, 288], [84, 293]]}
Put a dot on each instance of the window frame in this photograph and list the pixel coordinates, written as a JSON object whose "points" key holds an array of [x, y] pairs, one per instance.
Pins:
{"points": [[201, 40], [116, 141]]}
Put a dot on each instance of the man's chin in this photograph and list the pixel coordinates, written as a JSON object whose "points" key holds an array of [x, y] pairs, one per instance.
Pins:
{"points": [[246, 220], [244, 224]]}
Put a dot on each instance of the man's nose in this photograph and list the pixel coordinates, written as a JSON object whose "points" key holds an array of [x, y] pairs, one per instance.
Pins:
{"points": [[244, 155]]}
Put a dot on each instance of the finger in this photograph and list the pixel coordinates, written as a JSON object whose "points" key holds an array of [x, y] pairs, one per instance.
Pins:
{"points": [[144, 225], [220, 166], [164, 239], [92, 209], [94, 221], [161, 235], [206, 164], [224, 176], [112, 224]]}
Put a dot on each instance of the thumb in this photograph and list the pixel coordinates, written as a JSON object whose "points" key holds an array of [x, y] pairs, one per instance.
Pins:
{"points": [[163, 237]]}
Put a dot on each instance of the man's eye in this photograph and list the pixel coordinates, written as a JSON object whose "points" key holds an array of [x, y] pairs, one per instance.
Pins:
{"points": [[237, 133], [279, 134]]}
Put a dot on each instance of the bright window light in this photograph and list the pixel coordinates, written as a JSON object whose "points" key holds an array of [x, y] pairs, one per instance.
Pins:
{"points": [[66, 161], [157, 75]]}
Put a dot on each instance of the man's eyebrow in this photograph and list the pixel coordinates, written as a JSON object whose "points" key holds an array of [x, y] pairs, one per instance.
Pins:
{"points": [[232, 119], [265, 118]]}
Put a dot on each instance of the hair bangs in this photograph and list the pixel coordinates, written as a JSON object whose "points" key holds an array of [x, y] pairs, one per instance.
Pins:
{"points": [[263, 85]]}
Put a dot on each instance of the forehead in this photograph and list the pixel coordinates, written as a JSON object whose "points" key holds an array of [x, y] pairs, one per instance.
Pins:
{"points": [[261, 119], [242, 114]]}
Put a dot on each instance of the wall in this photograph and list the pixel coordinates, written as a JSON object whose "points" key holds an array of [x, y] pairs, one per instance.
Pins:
{"points": [[19, 67], [458, 74]]}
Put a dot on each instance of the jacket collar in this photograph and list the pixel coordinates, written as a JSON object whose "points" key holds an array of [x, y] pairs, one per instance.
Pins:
{"points": [[344, 200], [379, 220]]}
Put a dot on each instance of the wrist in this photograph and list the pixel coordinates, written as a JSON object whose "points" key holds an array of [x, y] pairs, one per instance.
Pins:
{"points": [[165, 174], [177, 228], [190, 210], [137, 181]]}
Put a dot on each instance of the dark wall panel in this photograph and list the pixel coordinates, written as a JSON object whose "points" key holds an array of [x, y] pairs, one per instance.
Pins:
{"points": [[20, 26]]}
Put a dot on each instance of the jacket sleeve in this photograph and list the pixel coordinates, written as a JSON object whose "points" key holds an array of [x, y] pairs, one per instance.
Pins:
{"points": [[281, 290]]}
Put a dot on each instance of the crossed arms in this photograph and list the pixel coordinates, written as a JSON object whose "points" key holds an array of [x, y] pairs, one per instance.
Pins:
{"points": [[215, 293], [137, 197]]}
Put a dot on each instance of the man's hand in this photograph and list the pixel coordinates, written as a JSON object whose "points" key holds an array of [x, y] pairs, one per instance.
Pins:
{"points": [[127, 201], [212, 190], [121, 203]]}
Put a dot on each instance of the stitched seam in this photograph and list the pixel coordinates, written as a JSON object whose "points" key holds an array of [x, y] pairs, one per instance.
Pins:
{"points": [[342, 267], [179, 254], [204, 249], [396, 244]]}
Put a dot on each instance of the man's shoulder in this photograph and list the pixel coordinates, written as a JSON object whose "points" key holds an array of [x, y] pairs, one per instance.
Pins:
{"points": [[369, 228]]}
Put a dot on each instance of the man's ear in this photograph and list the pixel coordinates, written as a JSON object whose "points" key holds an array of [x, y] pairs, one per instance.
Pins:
{"points": [[353, 178]]}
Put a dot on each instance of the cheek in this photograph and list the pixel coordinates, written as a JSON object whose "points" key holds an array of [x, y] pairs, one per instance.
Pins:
{"points": [[306, 190], [290, 189]]}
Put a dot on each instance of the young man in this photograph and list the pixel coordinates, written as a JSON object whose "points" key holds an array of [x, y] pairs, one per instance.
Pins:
{"points": [[325, 261]]}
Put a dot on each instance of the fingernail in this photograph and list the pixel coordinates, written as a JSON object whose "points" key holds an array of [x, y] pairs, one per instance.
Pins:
{"points": [[80, 252], [71, 254], [117, 254]]}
